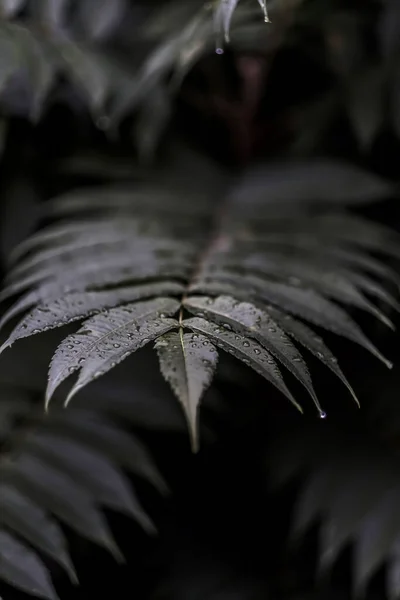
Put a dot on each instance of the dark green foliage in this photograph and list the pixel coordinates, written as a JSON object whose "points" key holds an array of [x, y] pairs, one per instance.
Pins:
{"points": [[255, 258], [199, 262]]}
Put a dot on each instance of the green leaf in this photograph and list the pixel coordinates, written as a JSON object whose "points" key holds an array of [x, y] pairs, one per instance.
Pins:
{"points": [[305, 303], [20, 567], [108, 338], [95, 431], [188, 362], [223, 16], [313, 342], [248, 320], [243, 348], [91, 470], [31, 522], [78, 305], [61, 495]]}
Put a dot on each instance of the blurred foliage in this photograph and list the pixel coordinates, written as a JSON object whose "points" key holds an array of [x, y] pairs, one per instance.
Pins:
{"points": [[136, 115]]}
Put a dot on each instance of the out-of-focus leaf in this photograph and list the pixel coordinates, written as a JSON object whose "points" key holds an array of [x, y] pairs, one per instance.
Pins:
{"points": [[366, 106], [20, 567]]}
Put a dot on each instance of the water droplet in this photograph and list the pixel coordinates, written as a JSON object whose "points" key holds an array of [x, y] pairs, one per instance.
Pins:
{"points": [[219, 50], [297, 359], [320, 355], [70, 346], [227, 326], [267, 19], [257, 351], [71, 369], [334, 359], [117, 345], [81, 360], [145, 340], [270, 362], [271, 329], [36, 331], [195, 336], [217, 330], [322, 415], [246, 344], [205, 343], [77, 342], [162, 315]]}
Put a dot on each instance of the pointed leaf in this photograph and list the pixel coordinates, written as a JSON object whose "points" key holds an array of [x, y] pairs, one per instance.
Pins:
{"points": [[106, 338], [305, 303], [29, 521], [313, 342], [23, 569], [243, 348], [109, 354], [223, 16], [188, 362], [376, 538], [250, 321], [94, 430], [58, 493], [92, 470], [72, 307]]}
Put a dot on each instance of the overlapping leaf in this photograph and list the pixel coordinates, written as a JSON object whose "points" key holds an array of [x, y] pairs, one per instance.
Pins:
{"points": [[135, 277], [352, 489], [62, 467]]}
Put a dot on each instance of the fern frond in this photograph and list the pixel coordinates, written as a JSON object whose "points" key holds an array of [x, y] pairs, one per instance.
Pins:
{"points": [[64, 466], [352, 487], [146, 268]]}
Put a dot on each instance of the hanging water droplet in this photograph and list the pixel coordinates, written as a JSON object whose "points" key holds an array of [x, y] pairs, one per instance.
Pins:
{"points": [[219, 50], [322, 414]]}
